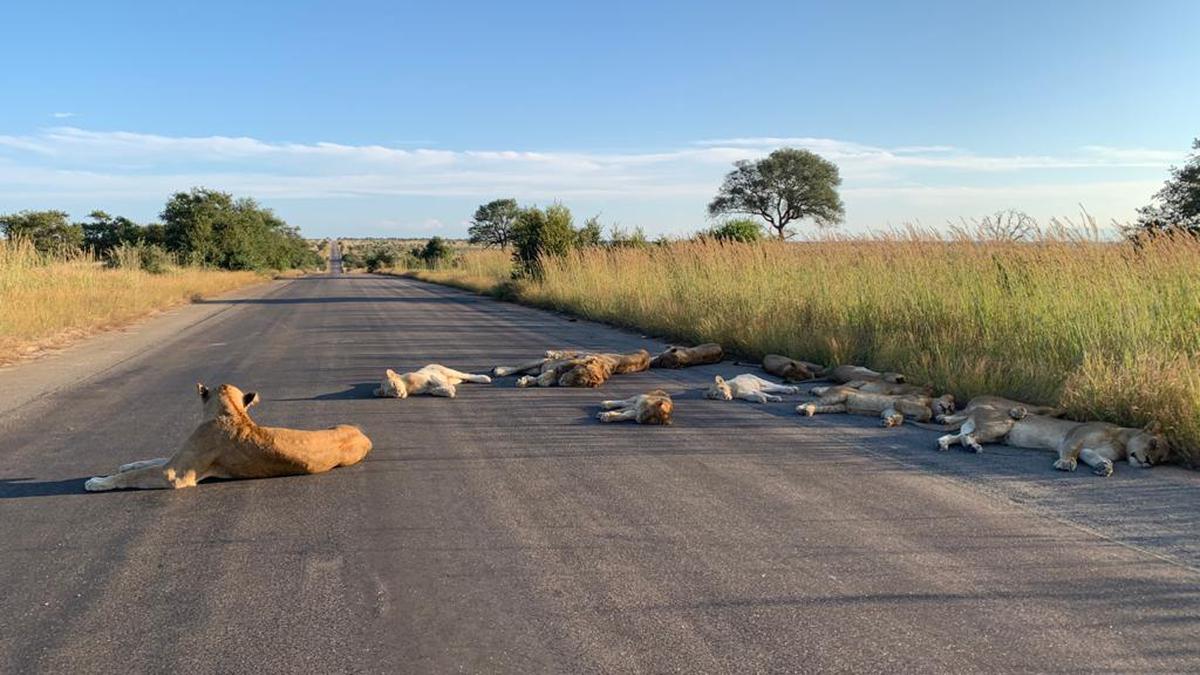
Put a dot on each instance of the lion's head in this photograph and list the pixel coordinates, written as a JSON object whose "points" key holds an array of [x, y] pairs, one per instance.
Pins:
{"points": [[719, 390], [392, 386], [658, 408], [227, 400], [894, 378], [592, 371], [942, 405], [670, 358], [1148, 447]]}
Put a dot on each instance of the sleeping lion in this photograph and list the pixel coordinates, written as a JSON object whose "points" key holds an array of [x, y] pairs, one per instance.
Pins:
{"points": [[747, 387], [991, 419], [433, 379], [893, 409], [653, 407], [576, 369], [228, 444], [684, 357]]}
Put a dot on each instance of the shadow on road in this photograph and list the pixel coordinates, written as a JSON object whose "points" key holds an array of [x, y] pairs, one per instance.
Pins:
{"points": [[355, 391], [16, 488]]}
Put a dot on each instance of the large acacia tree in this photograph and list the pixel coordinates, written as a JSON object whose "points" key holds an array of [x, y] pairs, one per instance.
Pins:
{"points": [[493, 223], [787, 185]]}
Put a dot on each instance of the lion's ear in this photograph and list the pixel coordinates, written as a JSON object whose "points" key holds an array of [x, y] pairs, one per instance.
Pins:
{"points": [[202, 390], [249, 398], [390, 373], [718, 379], [1154, 427]]}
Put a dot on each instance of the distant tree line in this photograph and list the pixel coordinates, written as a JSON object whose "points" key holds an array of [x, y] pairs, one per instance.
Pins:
{"points": [[199, 227]]}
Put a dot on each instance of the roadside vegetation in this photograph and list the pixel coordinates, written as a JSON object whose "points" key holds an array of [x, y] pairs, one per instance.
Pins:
{"points": [[60, 280], [50, 299], [1104, 324]]}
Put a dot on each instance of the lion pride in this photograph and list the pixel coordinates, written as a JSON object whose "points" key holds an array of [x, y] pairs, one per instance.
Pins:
{"points": [[228, 444]]}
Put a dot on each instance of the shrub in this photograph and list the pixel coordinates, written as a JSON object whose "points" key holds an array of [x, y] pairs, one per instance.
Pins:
{"points": [[538, 233], [147, 257], [743, 230]]}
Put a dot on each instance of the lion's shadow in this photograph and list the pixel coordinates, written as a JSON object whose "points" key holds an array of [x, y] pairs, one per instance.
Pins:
{"points": [[18, 488]]}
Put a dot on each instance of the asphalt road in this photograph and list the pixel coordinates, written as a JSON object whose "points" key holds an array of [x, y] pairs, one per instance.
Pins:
{"points": [[506, 530]]}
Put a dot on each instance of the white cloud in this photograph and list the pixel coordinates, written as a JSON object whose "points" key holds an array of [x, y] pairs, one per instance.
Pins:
{"points": [[70, 162], [63, 115]]}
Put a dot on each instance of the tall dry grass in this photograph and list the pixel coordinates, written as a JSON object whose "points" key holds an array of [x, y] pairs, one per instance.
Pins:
{"points": [[1108, 329], [48, 301]]}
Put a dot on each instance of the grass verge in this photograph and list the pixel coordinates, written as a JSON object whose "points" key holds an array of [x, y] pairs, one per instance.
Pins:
{"points": [[1107, 329], [49, 302]]}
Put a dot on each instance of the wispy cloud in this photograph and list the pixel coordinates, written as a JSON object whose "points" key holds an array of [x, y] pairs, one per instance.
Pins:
{"points": [[74, 162], [63, 115]]}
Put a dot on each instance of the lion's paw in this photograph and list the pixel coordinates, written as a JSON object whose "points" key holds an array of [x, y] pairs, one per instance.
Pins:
{"points": [[1105, 469], [98, 484], [806, 409], [893, 420], [944, 443], [484, 379], [1065, 464]]}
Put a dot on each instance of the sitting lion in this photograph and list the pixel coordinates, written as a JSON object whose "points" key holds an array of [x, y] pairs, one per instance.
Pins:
{"points": [[790, 370], [228, 444], [748, 388], [1099, 444], [576, 369], [433, 379], [654, 407], [683, 357], [892, 408]]}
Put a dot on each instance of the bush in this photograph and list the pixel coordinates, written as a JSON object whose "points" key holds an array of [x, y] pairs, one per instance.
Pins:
{"points": [[146, 257], [435, 252], [538, 233], [743, 230]]}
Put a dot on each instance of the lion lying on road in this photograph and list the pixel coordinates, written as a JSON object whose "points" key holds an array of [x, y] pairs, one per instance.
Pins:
{"points": [[846, 374], [892, 408], [790, 370], [433, 379], [878, 387], [991, 419], [576, 369], [228, 444], [654, 407], [684, 357], [748, 388]]}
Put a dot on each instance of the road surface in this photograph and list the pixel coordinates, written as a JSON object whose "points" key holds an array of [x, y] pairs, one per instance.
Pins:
{"points": [[506, 530]]}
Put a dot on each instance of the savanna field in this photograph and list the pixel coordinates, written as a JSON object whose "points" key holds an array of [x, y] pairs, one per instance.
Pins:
{"points": [[1106, 329], [49, 300]]}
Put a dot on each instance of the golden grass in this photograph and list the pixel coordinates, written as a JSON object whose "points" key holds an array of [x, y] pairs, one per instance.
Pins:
{"points": [[49, 302], [1108, 329]]}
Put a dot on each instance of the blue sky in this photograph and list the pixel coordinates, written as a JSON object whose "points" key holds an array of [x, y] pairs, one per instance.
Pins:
{"points": [[396, 119]]}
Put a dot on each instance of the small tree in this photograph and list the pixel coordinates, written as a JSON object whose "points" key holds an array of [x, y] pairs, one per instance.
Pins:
{"points": [[591, 234], [49, 231], [743, 230], [493, 222], [1178, 202], [787, 185], [435, 251], [538, 233], [102, 233]]}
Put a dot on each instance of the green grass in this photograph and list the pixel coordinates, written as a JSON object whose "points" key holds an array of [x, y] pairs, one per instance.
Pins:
{"points": [[1109, 330]]}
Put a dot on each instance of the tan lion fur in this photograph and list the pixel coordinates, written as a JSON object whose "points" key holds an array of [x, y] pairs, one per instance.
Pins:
{"points": [[653, 407], [1099, 444], [990, 419], [576, 369], [845, 374], [790, 370], [433, 379], [684, 357], [892, 408], [747, 387], [228, 444]]}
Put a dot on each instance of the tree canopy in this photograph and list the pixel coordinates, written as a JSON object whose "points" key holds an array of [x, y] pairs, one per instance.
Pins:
{"points": [[1177, 204], [493, 222], [49, 231], [787, 185]]}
